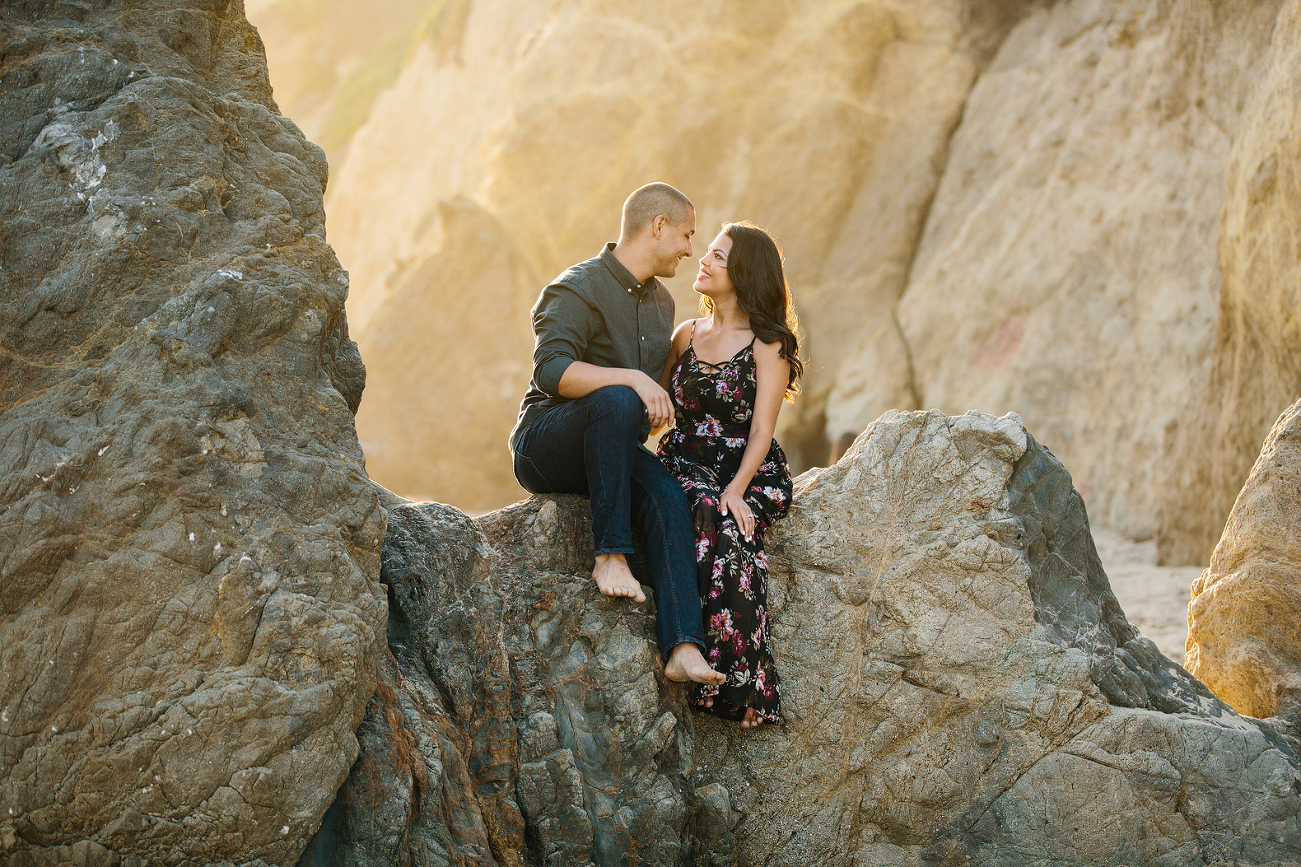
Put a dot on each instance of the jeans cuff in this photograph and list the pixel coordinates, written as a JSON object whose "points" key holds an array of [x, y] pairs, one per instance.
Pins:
{"points": [[665, 653], [628, 550]]}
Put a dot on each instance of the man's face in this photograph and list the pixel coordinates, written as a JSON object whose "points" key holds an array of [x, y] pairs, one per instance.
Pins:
{"points": [[673, 244]]}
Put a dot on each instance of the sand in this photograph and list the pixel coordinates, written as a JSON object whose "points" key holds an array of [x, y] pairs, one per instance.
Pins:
{"points": [[1154, 598]]}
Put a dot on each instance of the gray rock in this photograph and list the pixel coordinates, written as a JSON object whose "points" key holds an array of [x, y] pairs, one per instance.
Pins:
{"points": [[961, 687], [572, 747], [189, 619]]}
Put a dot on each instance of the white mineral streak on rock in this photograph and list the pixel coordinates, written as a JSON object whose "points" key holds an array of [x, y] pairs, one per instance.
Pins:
{"points": [[78, 154]]}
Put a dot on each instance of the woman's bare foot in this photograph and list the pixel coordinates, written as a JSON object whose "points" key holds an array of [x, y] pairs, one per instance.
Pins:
{"points": [[752, 719], [687, 663], [614, 578]]}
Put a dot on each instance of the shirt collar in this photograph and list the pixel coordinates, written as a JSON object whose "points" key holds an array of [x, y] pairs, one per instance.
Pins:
{"points": [[622, 274]]}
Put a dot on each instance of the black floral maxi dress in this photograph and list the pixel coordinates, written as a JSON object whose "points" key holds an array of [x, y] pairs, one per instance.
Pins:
{"points": [[715, 404]]}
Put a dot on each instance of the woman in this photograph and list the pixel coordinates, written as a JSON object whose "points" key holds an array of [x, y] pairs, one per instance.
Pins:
{"points": [[728, 373]]}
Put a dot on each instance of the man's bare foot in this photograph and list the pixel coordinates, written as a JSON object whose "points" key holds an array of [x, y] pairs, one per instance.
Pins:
{"points": [[752, 718], [687, 663], [614, 578]]}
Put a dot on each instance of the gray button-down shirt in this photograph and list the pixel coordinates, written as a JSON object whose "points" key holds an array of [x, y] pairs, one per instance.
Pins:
{"points": [[595, 312]]}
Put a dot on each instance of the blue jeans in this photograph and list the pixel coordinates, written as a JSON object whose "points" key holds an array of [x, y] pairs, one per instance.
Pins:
{"points": [[592, 446]]}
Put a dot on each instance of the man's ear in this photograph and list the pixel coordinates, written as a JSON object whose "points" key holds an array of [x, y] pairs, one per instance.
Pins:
{"points": [[658, 224]]}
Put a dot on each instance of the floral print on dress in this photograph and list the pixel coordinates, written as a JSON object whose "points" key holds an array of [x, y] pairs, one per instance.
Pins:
{"points": [[715, 404]]}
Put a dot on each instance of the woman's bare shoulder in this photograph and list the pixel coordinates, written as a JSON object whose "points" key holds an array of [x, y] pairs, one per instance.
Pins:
{"points": [[682, 336], [684, 328], [767, 350]]}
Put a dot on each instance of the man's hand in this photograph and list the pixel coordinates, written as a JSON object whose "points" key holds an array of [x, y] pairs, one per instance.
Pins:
{"points": [[581, 379], [659, 406]]}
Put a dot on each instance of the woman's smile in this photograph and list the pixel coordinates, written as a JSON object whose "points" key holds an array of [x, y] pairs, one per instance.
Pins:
{"points": [[715, 260]]}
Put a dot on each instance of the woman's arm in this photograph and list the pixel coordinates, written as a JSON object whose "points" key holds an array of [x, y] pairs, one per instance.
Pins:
{"points": [[772, 372], [681, 337]]}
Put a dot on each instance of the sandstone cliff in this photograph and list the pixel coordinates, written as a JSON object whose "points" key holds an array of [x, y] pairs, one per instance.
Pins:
{"points": [[1068, 268], [190, 622], [961, 688], [1256, 355], [1011, 206], [826, 122]]}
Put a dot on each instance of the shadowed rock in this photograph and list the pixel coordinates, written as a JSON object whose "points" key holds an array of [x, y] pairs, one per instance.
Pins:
{"points": [[189, 621], [961, 688]]}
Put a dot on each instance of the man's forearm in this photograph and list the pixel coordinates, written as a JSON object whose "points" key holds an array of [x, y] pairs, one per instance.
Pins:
{"points": [[581, 379]]}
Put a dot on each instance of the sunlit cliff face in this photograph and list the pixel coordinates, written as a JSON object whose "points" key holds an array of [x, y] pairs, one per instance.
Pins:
{"points": [[502, 150], [1007, 206]]}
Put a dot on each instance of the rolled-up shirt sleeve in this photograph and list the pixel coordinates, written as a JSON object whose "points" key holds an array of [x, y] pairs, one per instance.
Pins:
{"points": [[563, 322]]}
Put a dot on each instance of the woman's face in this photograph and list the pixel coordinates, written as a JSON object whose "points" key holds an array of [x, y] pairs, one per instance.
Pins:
{"points": [[712, 279]]}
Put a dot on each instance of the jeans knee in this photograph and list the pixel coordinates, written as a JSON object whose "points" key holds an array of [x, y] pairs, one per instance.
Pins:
{"points": [[668, 503], [618, 402]]}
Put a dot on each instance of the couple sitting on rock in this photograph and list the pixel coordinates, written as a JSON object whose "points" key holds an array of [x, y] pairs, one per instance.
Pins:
{"points": [[608, 367]]}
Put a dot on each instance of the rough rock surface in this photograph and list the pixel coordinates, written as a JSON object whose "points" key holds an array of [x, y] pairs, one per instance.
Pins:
{"points": [[1256, 358], [1244, 621], [961, 688], [1068, 268], [827, 122], [189, 618]]}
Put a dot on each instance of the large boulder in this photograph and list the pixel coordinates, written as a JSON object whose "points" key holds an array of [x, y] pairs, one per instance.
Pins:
{"points": [[1256, 355], [1244, 621], [961, 688], [1068, 268], [190, 623], [502, 152]]}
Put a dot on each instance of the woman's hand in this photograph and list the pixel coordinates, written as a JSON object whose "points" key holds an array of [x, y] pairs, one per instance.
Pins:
{"points": [[734, 504]]}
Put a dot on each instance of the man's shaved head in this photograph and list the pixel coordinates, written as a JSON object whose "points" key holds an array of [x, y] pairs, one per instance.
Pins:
{"points": [[648, 202]]}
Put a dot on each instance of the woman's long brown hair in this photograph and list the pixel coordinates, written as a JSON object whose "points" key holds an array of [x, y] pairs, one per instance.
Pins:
{"points": [[755, 268]]}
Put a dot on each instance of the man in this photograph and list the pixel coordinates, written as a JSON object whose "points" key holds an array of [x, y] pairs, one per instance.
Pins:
{"points": [[603, 330]]}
